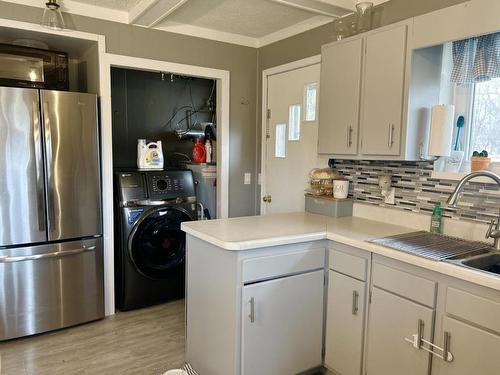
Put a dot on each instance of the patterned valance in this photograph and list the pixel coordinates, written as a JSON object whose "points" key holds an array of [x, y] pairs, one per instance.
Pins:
{"points": [[476, 59]]}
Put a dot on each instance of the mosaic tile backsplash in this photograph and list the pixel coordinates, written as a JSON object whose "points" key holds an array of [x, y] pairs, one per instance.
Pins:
{"points": [[416, 191]]}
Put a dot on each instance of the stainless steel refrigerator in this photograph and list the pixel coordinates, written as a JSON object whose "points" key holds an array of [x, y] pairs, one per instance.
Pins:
{"points": [[51, 251]]}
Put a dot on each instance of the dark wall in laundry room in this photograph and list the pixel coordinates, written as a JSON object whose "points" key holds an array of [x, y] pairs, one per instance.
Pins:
{"points": [[143, 103]]}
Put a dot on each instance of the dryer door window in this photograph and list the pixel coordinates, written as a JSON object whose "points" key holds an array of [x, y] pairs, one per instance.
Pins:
{"points": [[157, 243]]}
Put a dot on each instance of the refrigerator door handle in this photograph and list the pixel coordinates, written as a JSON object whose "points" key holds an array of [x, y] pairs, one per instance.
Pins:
{"points": [[40, 198], [50, 165], [55, 254]]}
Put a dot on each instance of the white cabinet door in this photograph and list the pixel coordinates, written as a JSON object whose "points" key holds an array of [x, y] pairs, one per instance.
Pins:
{"points": [[344, 324], [391, 320], [282, 325], [382, 104], [475, 351], [339, 99]]}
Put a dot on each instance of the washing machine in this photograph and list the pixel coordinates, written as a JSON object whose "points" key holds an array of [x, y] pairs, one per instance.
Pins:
{"points": [[150, 248]]}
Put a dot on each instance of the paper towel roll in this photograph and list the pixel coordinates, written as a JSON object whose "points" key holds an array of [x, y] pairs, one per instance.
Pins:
{"points": [[441, 134]]}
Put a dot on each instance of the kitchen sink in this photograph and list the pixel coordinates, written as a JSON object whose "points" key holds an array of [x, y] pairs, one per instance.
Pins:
{"points": [[486, 262], [489, 262]]}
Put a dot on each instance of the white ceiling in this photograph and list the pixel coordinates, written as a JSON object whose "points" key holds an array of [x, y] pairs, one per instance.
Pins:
{"points": [[112, 4], [247, 22]]}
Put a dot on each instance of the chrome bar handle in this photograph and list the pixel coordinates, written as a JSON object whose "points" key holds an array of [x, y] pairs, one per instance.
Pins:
{"points": [[50, 165], [447, 356], [391, 135], [420, 332], [56, 254], [252, 310], [40, 197], [355, 298], [349, 136]]}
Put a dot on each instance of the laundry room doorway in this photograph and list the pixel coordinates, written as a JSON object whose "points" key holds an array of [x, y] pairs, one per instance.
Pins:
{"points": [[202, 81]]}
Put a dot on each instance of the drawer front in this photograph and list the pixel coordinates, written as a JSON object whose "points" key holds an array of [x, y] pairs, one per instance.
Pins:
{"points": [[348, 264], [473, 308], [273, 266], [405, 284]]}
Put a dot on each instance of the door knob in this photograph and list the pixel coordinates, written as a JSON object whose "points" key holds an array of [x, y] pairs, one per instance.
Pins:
{"points": [[267, 199]]}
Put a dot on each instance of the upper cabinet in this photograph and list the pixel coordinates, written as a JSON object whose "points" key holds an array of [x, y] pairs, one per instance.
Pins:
{"points": [[363, 96], [339, 99], [382, 98]]}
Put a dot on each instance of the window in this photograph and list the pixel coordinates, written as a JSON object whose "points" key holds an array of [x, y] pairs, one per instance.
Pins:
{"points": [[294, 122], [485, 124], [471, 73], [310, 98], [280, 147]]}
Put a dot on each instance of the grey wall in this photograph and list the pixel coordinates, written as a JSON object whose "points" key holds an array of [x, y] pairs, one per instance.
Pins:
{"points": [[240, 61], [309, 44], [245, 64]]}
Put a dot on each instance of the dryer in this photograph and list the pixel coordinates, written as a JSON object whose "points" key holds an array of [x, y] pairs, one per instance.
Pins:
{"points": [[150, 247]]}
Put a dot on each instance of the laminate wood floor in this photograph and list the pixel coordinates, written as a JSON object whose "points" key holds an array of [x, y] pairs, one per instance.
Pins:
{"points": [[148, 341]]}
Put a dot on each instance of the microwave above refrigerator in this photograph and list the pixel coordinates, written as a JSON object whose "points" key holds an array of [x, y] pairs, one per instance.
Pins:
{"points": [[32, 67]]}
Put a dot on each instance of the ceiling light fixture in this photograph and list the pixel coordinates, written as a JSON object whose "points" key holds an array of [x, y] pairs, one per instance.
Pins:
{"points": [[52, 17]]}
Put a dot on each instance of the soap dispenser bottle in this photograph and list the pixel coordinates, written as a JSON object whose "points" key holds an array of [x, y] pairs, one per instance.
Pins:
{"points": [[437, 219]]}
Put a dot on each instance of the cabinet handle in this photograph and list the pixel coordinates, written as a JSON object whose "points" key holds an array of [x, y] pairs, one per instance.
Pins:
{"points": [[447, 356], [349, 136], [355, 298], [252, 310], [391, 135], [418, 342]]}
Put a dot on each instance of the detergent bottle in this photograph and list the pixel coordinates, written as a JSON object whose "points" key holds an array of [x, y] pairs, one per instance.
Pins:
{"points": [[149, 155], [199, 153]]}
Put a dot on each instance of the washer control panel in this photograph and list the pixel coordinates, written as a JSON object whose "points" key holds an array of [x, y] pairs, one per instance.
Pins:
{"points": [[165, 185]]}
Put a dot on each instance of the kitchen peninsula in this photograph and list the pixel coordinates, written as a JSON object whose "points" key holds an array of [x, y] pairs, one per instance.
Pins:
{"points": [[258, 299]]}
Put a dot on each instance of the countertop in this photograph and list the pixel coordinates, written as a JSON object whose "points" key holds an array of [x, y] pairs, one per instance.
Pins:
{"points": [[246, 233], [253, 232]]}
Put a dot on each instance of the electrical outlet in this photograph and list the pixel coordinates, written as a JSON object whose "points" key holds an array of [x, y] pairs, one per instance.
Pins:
{"points": [[247, 178]]}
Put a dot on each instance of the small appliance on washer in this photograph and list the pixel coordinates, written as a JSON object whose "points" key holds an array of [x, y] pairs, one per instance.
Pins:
{"points": [[150, 247]]}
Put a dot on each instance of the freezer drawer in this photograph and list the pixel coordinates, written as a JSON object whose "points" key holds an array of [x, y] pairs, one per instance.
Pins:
{"points": [[72, 164], [48, 287]]}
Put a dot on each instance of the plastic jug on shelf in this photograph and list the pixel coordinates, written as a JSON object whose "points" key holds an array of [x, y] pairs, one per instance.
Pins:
{"points": [[149, 155]]}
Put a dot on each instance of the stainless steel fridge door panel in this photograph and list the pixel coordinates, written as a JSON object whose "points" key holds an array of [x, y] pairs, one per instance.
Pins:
{"points": [[22, 197], [47, 287], [72, 164]]}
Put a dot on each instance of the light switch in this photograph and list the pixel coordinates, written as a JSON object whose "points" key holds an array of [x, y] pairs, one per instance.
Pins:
{"points": [[248, 179]]}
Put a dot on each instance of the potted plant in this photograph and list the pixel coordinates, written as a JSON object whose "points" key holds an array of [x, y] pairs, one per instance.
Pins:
{"points": [[480, 161]]}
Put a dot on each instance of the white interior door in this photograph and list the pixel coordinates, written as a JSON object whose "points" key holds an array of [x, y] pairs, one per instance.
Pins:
{"points": [[291, 147]]}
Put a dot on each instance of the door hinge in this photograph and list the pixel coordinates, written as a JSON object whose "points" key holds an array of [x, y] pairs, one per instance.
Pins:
{"points": [[323, 352], [370, 297], [268, 135]]}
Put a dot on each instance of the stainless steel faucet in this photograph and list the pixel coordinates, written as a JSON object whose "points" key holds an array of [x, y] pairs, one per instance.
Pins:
{"points": [[494, 228]]}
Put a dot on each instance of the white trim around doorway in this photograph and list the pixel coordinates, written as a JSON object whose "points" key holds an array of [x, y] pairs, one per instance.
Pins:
{"points": [[223, 85], [316, 59]]}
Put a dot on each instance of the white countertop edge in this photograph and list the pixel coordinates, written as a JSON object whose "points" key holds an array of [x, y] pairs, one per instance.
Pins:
{"points": [[257, 243], [449, 269]]}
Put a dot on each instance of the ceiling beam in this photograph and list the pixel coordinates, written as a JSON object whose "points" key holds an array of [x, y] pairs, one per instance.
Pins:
{"points": [[150, 13], [331, 8], [139, 9]]}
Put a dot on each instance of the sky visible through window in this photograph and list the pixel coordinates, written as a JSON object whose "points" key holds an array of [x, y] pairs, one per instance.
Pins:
{"points": [[485, 133]]}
